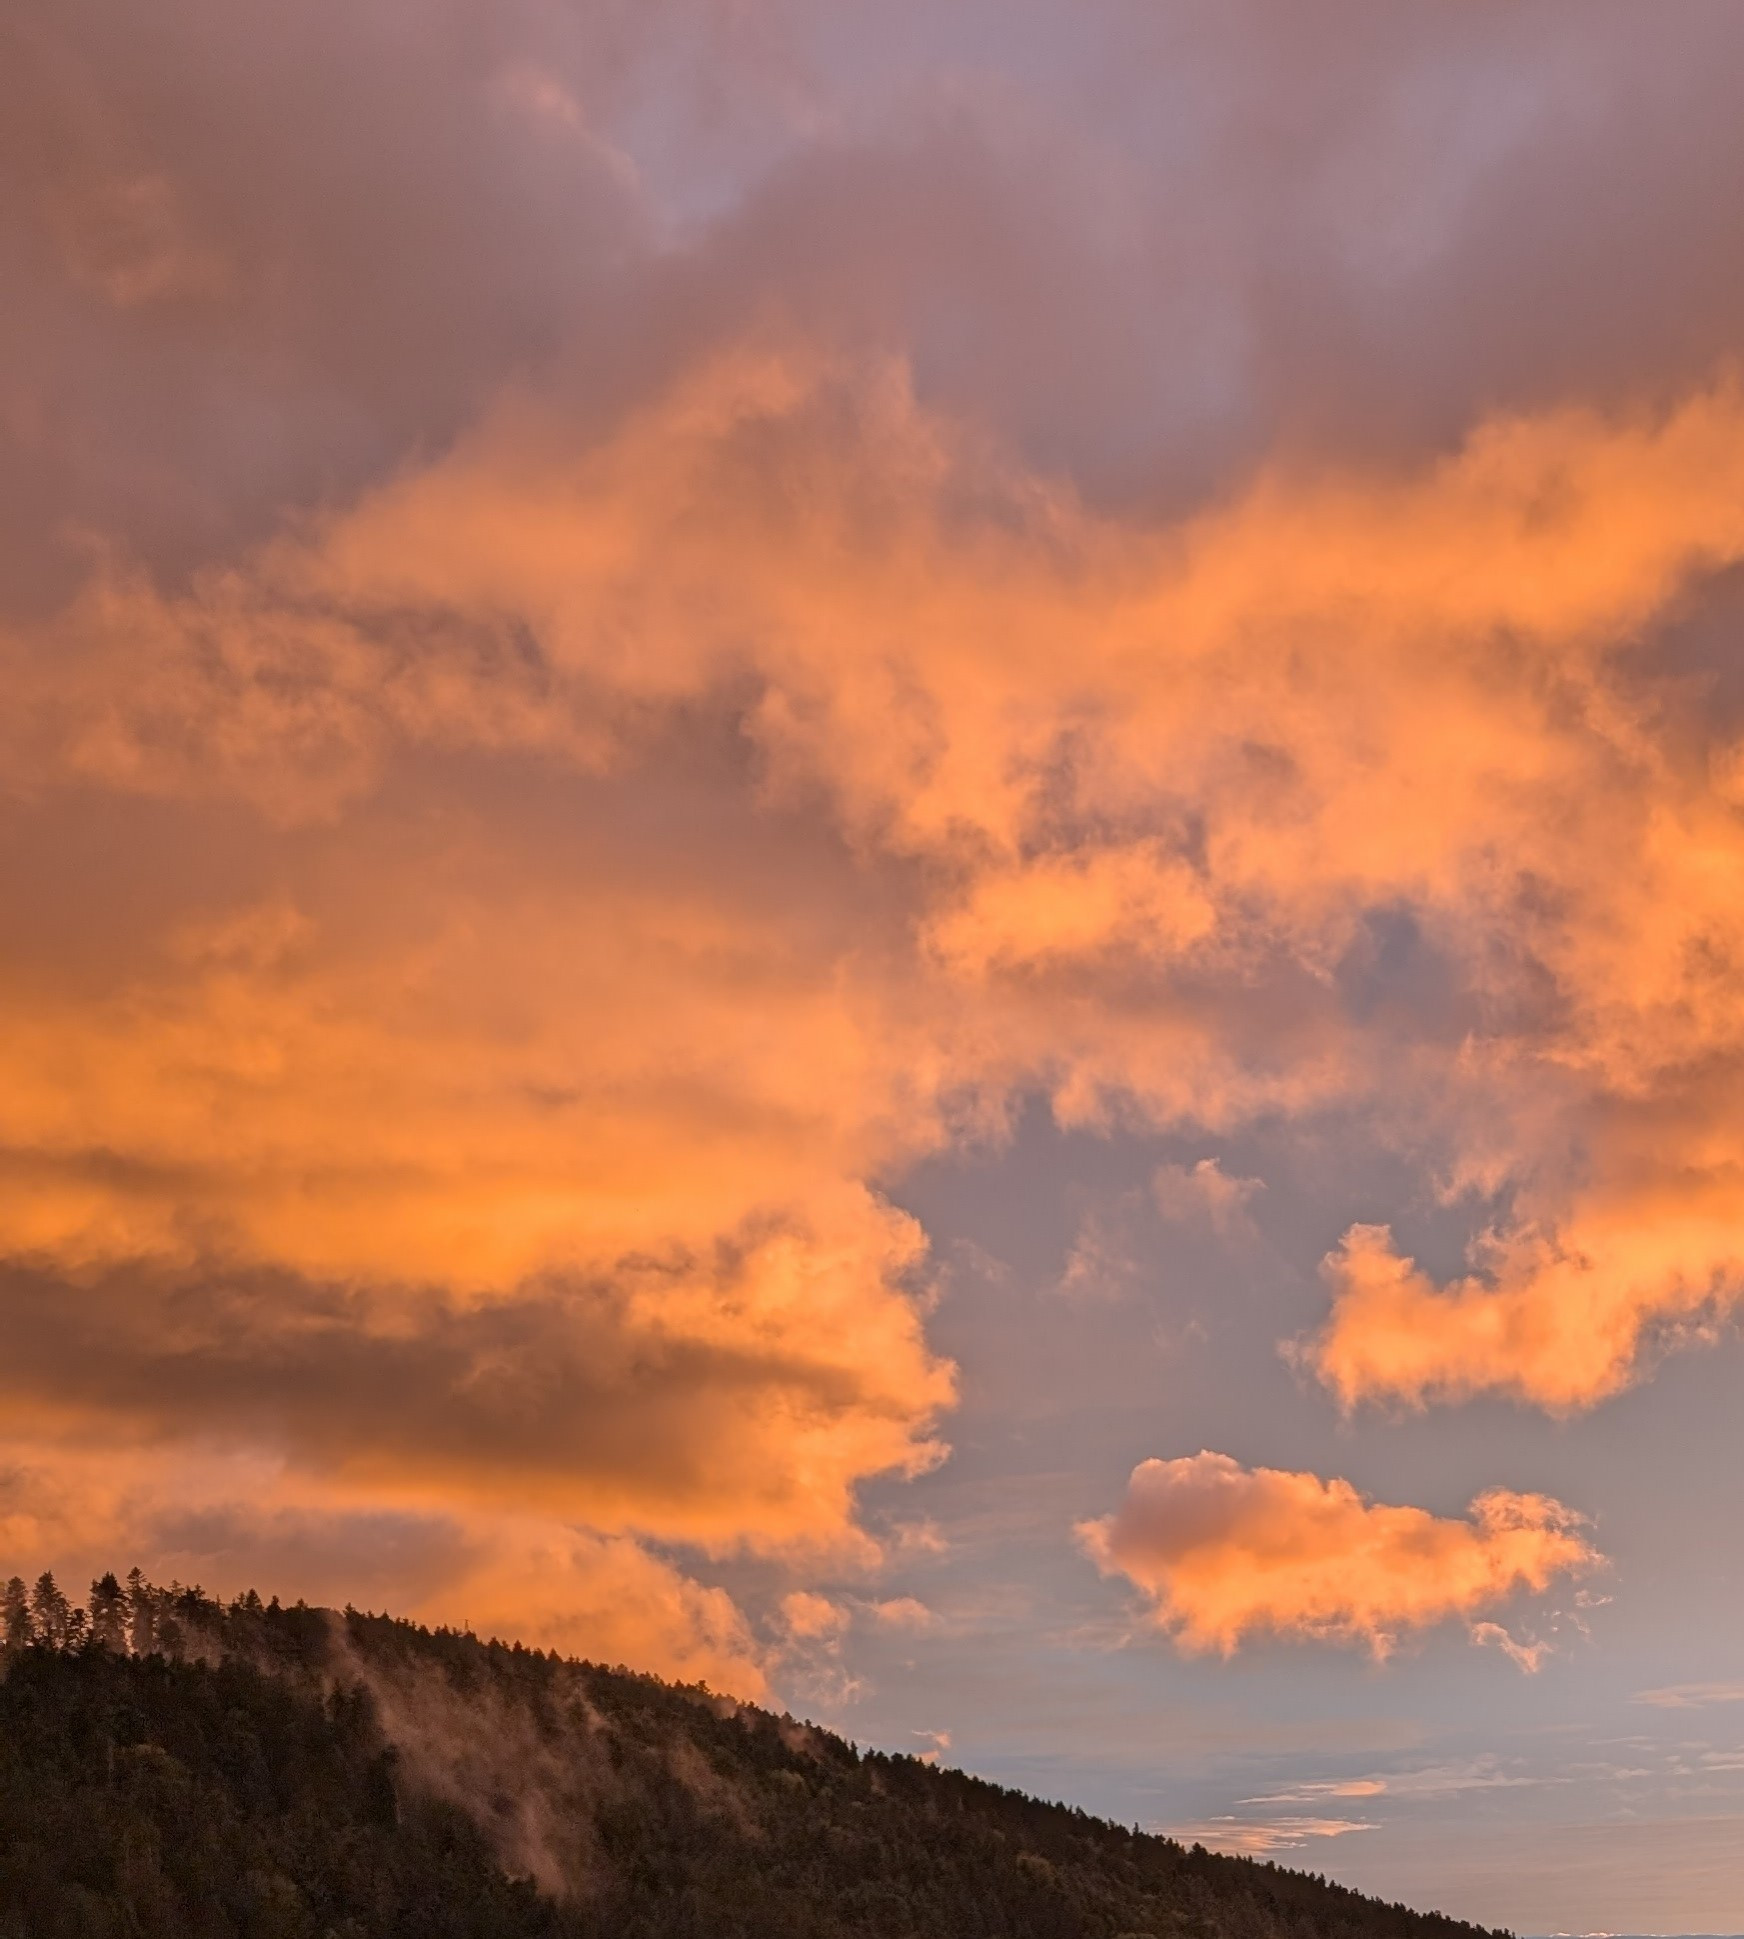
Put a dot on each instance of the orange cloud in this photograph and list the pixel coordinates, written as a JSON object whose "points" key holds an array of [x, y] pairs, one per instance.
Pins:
{"points": [[616, 1128], [603, 1598], [903, 1612], [1560, 1320], [1226, 1553], [811, 1618], [1263, 1838], [249, 1520]]}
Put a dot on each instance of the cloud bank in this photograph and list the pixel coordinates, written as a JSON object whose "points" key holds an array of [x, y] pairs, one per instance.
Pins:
{"points": [[580, 700]]}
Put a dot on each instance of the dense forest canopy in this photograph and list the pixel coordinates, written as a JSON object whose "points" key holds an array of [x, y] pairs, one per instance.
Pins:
{"points": [[173, 1767]]}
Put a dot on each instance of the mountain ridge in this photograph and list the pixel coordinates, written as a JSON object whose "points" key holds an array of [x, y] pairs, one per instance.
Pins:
{"points": [[171, 1764]]}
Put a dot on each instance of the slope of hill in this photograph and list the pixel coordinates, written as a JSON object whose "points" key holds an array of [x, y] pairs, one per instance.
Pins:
{"points": [[170, 1766]]}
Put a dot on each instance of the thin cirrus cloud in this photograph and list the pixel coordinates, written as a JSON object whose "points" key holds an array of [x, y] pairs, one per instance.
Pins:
{"points": [[563, 818], [1260, 1838], [1691, 1696], [1226, 1553], [1427, 1781]]}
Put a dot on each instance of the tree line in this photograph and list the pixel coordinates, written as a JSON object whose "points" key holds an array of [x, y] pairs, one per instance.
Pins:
{"points": [[134, 1618]]}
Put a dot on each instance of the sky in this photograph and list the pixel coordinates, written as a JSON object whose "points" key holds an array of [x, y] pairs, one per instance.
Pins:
{"points": [[896, 852]]}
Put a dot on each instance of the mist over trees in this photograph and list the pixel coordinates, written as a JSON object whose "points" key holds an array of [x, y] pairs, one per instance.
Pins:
{"points": [[176, 1767]]}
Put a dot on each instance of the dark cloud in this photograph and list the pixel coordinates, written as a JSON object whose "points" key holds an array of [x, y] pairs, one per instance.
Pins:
{"points": [[560, 1397]]}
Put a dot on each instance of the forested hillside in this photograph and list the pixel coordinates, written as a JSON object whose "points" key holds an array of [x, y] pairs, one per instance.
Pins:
{"points": [[173, 1768]]}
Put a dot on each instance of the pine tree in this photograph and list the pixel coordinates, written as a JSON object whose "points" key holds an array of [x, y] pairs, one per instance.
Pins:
{"points": [[141, 1613], [51, 1613], [109, 1613], [15, 1614]]}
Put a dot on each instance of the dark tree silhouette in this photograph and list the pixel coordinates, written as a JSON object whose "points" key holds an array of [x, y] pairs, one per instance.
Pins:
{"points": [[51, 1615], [15, 1615], [108, 1612], [140, 1607]]}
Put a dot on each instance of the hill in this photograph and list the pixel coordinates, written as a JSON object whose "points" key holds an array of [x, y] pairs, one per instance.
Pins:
{"points": [[176, 1768]]}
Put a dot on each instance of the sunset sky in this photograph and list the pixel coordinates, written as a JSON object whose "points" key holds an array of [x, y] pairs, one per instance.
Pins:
{"points": [[895, 851]]}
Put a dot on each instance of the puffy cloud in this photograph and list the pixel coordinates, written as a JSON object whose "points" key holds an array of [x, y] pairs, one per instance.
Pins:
{"points": [[603, 1598], [903, 1612], [811, 1618], [1226, 1553], [1560, 1318], [1055, 908]]}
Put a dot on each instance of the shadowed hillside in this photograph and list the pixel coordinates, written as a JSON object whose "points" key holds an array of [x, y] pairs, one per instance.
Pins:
{"points": [[174, 1767]]}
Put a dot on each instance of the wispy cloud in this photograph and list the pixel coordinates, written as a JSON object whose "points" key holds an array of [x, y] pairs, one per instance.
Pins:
{"points": [[1258, 1838], [1691, 1696], [1314, 1791], [1424, 1781], [1528, 1656]]}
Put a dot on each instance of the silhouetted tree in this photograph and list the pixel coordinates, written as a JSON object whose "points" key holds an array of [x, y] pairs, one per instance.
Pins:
{"points": [[108, 1607], [50, 1613], [141, 1613], [15, 1614]]}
